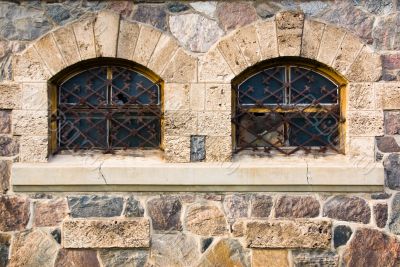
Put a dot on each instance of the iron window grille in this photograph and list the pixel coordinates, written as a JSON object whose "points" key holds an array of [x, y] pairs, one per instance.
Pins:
{"points": [[286, 109], [108, 108]]}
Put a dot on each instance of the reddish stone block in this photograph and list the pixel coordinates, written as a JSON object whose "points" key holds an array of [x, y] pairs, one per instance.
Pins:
{"points": [[297, 207], [77, 258], [381, 214], [50, 212], [392, 122], [14, 213], [391, 61], [236, 14], [345, 208]]}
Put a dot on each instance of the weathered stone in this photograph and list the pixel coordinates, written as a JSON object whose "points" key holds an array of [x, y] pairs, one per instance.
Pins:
{"points": [[35, 96], [127, 38], [232, 54], [394, 222], [107, 233], [5, 174], [207, 8], [315, 258], [247, 40], [106, 28], [378, 7], [4, 248], [5, 121], [219, 149], [381, 214], [372, 248], [133, 208], [163, 52], [362, 148], [78, 258], [238, 228], [195, 32], [33, 248], [95, 206], [387, 95], [392, 171], [121, 7], [84, 35], [331, 40], [206, 220], [65, 39], [345, 208], [10, 95], [361, 96], [266, 31], [14, 213], [218, 97], [385, 32], [181, 69], [392, 122], [29, 67], [26, 122], [205, 243], [289, 28], [267, 9], [33, 148], [214, 68], [237, 206], [367, 67], [180, 123], [123, 258], [165, 212], [365, 123], [154, 15], [176, 96], [8, 146], [227, 252], [261, 206], [387, 144], [347, 53], [314, 8], [391, 61], [270, 258], [146, 43], [235, 15], [380, 195], [176, 7], [197, 148], [50, 212], [177, 148], [297, 207], [341, 235], [214, 123], [56, 234], [178, 250], [289, 234], [312, 36]]}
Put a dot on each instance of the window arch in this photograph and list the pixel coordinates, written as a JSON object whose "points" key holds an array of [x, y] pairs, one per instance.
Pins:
{"points": [[106, 106], [287, 107]]}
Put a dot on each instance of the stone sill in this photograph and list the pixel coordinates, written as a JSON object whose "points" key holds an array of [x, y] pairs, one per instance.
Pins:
{"points": [[118, 173]]}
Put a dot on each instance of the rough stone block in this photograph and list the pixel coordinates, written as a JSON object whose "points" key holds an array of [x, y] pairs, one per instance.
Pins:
{"points": [[289, 234], [182, 68], [387, 144], [237, 206], [392, 171], [84, 35], [26, 122], [219, 149], [133, 208], [345, 208], [218, 97], [228, 14], [177, 148], [8, 146], [365, 123], [34, 96], [266, 32], [312, 36], [5, 240], [197, 96], [261, 206], [49, 52], [176, 96], [106, 27], [331, 40], [247, 41], [165, 213], [289, 28], [5, 121], [367, 67], [341, 235], [270, 258], [381, 214], [315, 258], [387, 95], [362, 148], [206, 220], [180, 123], [10, 95], [50, 212], [154, 15], [394, 222], [127, 38], [232, 54], [33, 148], [392, 122], [65, 39], [214, 68], [146, 43], [75, 257], [123, 257], [197, 148], [361, 96], [297, 207], [214, 123], [163, 52], [132, 233], [347, 53], [14, 213], [29, 67], [95, 206], [5, 174]]}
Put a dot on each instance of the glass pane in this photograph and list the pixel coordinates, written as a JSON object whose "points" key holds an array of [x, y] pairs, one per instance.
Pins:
{"points": [[308, 86], [130, 87], [86, 88], [265, 87]]}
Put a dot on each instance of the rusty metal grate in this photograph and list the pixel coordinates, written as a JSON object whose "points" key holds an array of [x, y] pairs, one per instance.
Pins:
{"points": [[108, 108], [287, 109]]}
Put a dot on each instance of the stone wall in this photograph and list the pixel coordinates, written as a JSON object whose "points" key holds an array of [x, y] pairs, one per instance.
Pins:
{"points": [[198, 229]]}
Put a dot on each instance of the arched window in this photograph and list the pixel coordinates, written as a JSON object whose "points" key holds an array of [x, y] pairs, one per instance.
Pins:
{"points": [[107, 107], [288, 108]]}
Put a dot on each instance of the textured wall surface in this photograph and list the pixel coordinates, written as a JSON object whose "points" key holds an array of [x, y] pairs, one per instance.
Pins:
{"points": [[211, 42]]}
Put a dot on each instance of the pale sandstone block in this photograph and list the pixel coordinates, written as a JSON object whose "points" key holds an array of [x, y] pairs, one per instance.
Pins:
{"points": [[180, 123], [182, 68], [85, 38], [65, 39], [177, 148], [218, 148], [106, 28], [231, 52], [365, 123], [270, 258], [214, 68], [331, 40], [33, 148], [214, 123], [206, 220], [148, 39], [387, 95], [163, 52], [10, 95], [30, 122], [176, 96], [347, 53], [127, 38], [106, 233], [34, 96], [289, 28], [197, 96], [312, 36], [50, 54], [361, 96], [266, 31], [218, 97], [30, 67], [362, 147], [367, 67], [247, 41]]}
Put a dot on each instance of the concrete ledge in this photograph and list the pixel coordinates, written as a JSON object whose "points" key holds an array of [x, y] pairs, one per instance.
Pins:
{"points": [[133, 174]]}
